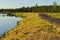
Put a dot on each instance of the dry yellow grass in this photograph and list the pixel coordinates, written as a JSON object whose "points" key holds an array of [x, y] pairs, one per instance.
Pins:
{"points": [[33, 27]]}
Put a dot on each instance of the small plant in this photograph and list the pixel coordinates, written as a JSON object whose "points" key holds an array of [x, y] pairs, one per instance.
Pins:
{"points": [[26, 33], [23, 35]]}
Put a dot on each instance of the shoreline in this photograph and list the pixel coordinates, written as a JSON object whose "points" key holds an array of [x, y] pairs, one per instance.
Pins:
{"points": [[32, 26]]}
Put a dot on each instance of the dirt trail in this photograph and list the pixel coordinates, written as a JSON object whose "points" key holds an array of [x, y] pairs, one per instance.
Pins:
{"points": [[50, 19]]}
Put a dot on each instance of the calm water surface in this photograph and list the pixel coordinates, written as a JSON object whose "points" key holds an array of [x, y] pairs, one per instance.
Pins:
{"points": [[7, 23]]}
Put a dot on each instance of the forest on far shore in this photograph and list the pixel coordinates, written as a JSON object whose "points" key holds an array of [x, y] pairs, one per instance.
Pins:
{"points": [[51, 9]]}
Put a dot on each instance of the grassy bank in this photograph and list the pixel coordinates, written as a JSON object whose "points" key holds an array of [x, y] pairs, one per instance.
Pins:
{"points": [[33, 27]]}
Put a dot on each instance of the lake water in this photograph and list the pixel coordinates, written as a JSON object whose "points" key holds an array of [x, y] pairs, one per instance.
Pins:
{"points": [[7, 23]]}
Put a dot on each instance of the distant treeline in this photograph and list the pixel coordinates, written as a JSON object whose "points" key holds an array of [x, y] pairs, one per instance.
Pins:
{"points": [[34, 9]]}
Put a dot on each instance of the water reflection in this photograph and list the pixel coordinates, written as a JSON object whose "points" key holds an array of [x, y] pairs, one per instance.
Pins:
{"points": [[7, 23]]}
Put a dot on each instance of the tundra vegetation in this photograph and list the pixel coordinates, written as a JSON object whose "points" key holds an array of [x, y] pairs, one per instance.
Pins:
{"points": [[34, 27]]}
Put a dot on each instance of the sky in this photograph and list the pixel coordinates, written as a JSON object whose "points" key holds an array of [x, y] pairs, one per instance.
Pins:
{"points": [[26, 3]]}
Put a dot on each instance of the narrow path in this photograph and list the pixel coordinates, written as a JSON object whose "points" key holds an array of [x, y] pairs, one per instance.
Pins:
{"points": [[50, 19]]}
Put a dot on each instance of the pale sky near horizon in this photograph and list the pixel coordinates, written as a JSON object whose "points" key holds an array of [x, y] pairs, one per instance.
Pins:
{"points": [[26, 3]]}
